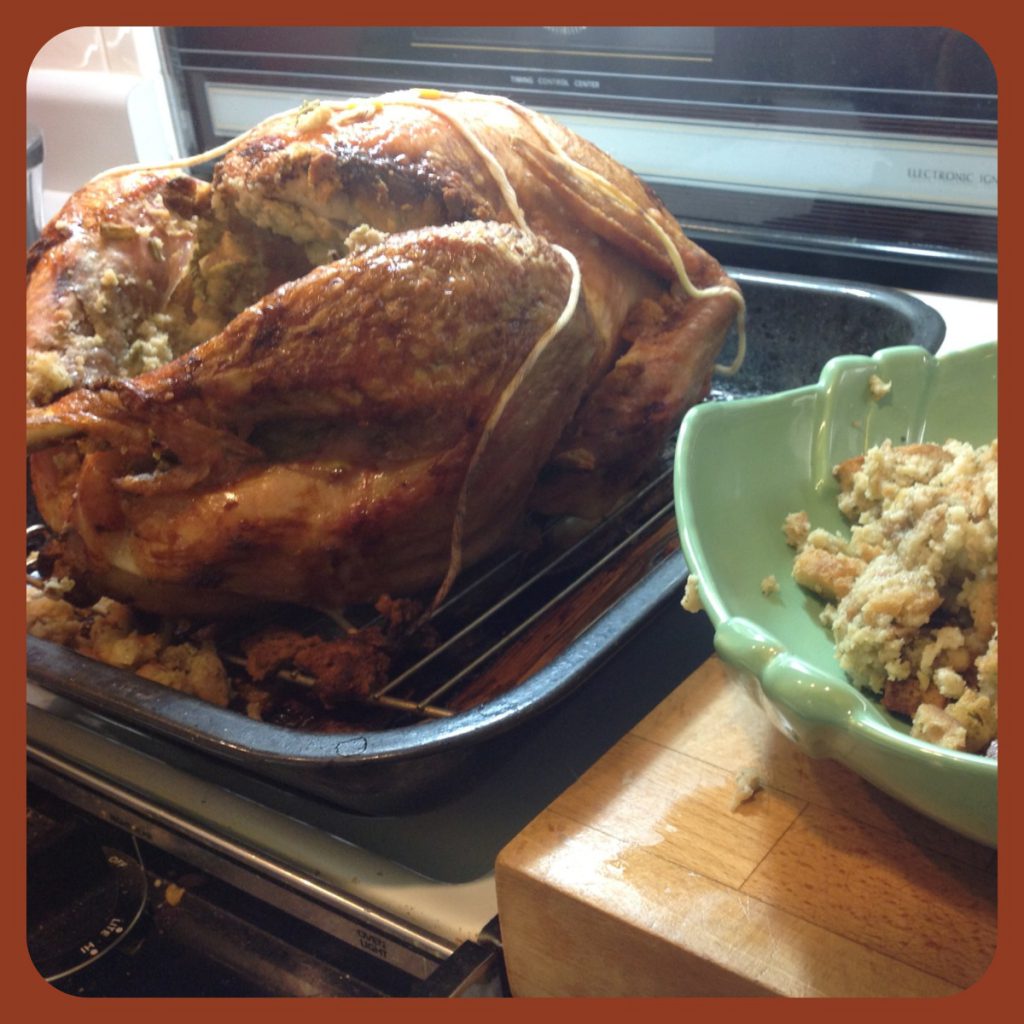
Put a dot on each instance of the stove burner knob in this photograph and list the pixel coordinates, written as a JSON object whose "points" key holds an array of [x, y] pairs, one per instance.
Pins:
{"points": [[83, 897]]}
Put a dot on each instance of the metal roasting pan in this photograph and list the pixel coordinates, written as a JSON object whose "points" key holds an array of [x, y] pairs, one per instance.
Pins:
{"points": [[795, 325]]}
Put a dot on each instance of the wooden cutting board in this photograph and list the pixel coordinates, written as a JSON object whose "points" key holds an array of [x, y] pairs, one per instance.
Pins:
{"points": [[649, 876]]}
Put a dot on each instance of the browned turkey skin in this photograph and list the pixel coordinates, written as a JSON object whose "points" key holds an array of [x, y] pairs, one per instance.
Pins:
{"points": [[135, 270], [411, 159], [100, 280], [368, 427], [315, 451]]}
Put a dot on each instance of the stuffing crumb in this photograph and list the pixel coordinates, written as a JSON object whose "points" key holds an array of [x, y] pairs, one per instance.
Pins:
{"points": [[748, 782], [46, 375], [934, 725], [363, 237], [878, 388], [796, 527], [691, 595], [912, 594]]}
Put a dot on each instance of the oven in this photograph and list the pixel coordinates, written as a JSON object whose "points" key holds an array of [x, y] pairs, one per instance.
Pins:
{"points": [[174, 849]]}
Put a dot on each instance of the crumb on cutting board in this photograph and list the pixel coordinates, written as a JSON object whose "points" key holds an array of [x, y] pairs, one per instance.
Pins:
{"points": [[747, 783]]}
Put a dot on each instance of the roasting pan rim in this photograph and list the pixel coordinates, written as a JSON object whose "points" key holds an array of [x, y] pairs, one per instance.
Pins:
{"points": [[303, 756], [142, 703]]}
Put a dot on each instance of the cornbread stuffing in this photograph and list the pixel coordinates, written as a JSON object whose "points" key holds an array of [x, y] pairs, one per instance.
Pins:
{"points": [[912, 594], [280, 675], [108, 632]]}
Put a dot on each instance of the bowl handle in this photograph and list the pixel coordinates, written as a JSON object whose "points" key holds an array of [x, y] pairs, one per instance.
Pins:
{"points": [[745, 645], [810, 706]]}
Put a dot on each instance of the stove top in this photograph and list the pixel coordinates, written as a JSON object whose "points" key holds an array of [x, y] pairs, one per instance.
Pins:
{"points": [[110, 915], [253, 858], [414, 890]]}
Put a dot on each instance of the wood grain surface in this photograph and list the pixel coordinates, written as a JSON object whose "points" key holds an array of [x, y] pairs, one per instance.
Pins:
{"points": [[650, 875]]}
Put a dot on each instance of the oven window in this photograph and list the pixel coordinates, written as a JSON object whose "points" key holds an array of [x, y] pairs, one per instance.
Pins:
{"points": [[844, 151]]}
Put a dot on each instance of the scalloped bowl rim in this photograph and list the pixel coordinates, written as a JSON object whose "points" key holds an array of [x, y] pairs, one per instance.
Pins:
{"points": [[844, 722]]}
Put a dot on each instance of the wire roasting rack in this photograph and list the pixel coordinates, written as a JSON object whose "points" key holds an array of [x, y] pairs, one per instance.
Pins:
{"points": [[508, 618]]}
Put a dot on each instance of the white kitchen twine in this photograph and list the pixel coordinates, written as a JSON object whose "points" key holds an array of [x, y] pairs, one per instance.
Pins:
{"points": [[423, 98], [426, 99]]}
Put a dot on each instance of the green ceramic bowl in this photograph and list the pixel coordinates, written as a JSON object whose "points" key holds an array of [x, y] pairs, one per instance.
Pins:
{"points": [[740, 468]]}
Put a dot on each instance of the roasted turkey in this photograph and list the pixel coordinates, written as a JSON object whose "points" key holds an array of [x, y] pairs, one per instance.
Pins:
{"points": [[352, 361]]}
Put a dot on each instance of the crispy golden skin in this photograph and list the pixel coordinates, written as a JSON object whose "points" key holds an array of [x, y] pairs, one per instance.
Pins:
{"points": [[316, 450], [405, 161], [102, 274], [135, 269], [249, 466]]}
